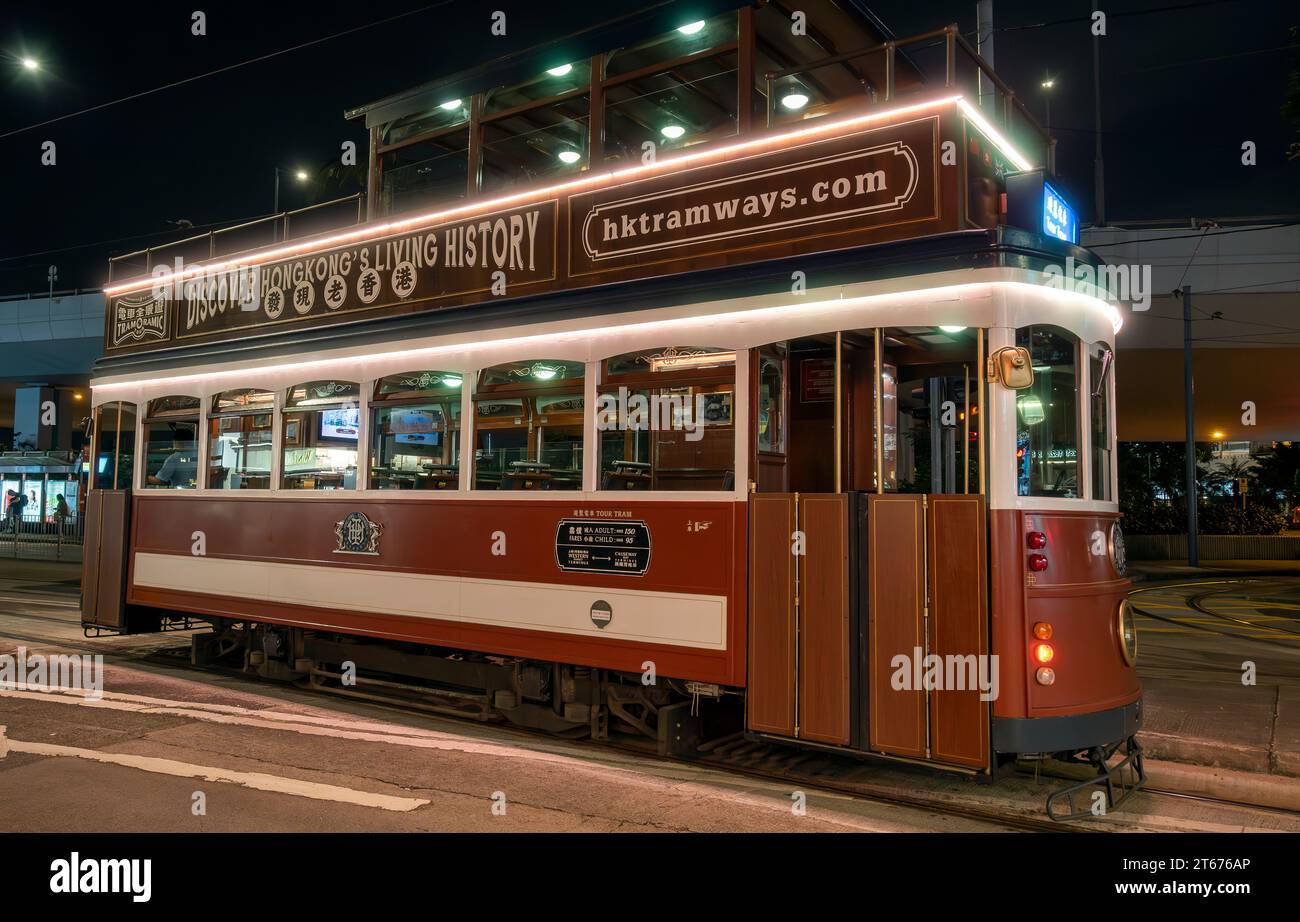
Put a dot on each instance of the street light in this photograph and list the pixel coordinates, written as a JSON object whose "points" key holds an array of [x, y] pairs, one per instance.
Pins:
{"points": [[299, 174], [1047, 85]]}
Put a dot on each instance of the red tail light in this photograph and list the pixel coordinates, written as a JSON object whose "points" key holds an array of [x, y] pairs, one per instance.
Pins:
{"points": [[1036, 540], [1037, 563]]}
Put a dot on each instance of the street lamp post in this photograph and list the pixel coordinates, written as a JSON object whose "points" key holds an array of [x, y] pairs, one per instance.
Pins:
{"points": [[298, 174], [1047, 85]]}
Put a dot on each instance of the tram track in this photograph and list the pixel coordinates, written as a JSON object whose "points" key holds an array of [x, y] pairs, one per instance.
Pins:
{"points": [[1196, 603]]}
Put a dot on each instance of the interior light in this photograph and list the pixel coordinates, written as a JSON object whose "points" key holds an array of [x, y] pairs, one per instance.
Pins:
{"points": [[569, 156], [794, 101], [691, 27], [672, 132], [561, 71], [33, 64], [450, 104], [452, 380], [951, 328], [1030, 409], [544, 372]]}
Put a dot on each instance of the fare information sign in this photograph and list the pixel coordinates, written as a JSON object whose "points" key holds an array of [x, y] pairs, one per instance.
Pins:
{"points": [[603, 546]]}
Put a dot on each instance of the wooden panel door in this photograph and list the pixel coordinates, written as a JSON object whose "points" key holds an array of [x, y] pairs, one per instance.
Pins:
{"points": [[824, 619], [772, 575], [104, 555], [896, 600], [959, 720]]}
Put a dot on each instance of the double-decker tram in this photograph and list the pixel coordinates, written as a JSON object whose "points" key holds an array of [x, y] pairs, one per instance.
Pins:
{"points": [[788, 424]]}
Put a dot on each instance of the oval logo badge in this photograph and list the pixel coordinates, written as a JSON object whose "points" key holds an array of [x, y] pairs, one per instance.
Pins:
{"points": [[601, 613]]}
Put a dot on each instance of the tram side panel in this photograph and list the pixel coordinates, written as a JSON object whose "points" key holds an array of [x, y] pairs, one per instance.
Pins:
{"points": [[539, 579], [1094, 693]]}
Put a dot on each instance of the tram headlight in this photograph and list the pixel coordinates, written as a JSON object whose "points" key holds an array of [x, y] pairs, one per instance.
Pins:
{"points": [[1126, 630], [1118, 555]]}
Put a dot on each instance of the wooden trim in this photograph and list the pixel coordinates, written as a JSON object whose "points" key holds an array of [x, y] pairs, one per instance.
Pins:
{"points": [[485, 118], [433, 135], [596, 115], [373, 176], [745, 72], [660, 66], [474, 164]]}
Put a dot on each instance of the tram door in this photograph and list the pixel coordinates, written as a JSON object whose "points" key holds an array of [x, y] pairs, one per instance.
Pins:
{"points": [[929, 677], [108, 509], [858, 584]]}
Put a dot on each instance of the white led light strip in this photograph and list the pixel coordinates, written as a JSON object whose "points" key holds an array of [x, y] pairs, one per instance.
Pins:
{"points": [[836, 305], [586, 181]]}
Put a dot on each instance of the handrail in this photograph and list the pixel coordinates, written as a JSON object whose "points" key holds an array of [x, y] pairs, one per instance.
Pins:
{"points": [[280, 228], [953, 41]]}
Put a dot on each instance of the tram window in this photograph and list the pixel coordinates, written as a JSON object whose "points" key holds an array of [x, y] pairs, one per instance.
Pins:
{"points": [[528, 426], [771, 421], [114, 446], [666, 420], [537, 129], [692, 99], [415, 440], [424, 173], [929, 407], [828, 88], [1100, 360], [239, 440], [319, 433], [172, 444], [1047, 415]]}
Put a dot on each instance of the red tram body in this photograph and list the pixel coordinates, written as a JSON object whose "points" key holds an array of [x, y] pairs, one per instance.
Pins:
{"points": [[878, 463]]}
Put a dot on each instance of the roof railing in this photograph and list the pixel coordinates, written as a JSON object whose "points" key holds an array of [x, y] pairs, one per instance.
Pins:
{"points": [[955, 45], [208, 245]]}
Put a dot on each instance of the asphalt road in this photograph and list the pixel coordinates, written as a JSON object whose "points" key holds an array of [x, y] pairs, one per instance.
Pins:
{"points": [[170, 748]]}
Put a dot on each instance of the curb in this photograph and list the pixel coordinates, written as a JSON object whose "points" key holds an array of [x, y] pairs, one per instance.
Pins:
{"points": [[1276, 791]]}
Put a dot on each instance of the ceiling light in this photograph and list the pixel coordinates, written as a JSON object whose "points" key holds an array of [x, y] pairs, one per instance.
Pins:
{"points": [[450, 104], [691, 27], [31, 64], [561, 71], [950, 328], [672, 132], [544, 372], [793, 101], [569, 156], [452, 380]]}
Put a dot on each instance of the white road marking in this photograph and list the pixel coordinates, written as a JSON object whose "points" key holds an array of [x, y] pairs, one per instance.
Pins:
{"points": [[256, 780], [770, 796]]}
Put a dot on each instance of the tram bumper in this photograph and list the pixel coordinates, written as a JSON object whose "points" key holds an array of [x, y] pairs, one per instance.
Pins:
{"points": [[1072, 732]]}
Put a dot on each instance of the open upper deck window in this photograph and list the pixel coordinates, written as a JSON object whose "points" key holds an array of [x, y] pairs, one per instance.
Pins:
{"points": [[239, 440], [171, 443], [676, 90], [528, 426], [424, 158], [665, 419], [321, 427], [415, 431]]}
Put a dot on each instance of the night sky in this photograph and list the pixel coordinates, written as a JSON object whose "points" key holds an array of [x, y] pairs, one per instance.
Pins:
{"points": [[1182, 88]]}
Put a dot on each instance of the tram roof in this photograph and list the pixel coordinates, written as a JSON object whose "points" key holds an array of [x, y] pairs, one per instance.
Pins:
{"points": [[511, 68]]}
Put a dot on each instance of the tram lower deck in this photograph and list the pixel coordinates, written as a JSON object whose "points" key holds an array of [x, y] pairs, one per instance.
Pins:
{"points": [[840, 532]]}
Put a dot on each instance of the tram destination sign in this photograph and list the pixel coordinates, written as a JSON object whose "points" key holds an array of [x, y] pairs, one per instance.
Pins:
{"points": [[603, 546], [768, 201]]}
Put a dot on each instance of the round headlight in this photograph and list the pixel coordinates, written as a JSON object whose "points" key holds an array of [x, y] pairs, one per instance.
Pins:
{"points": [[1126, 631], [1118, 556]]}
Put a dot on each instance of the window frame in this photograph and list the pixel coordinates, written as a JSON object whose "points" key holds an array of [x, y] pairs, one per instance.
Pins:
{"points": [[723, 375], [527, 393], [377, 402], [213, 414], [283, 409], [186, 414]]}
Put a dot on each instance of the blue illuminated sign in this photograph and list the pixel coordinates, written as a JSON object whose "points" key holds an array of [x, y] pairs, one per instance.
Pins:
{"points": [[1059, 219]]}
